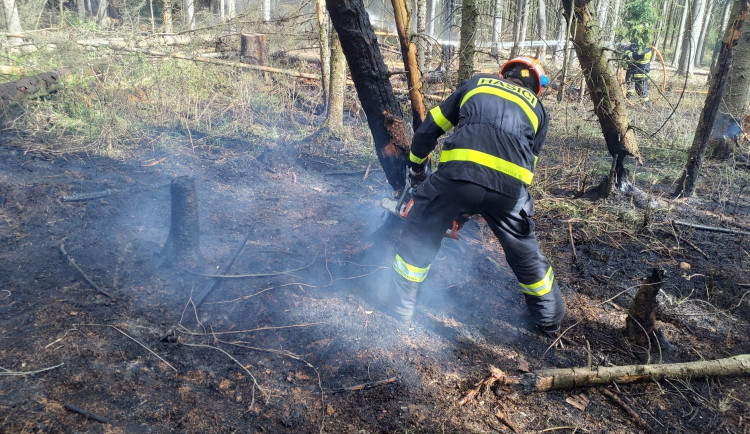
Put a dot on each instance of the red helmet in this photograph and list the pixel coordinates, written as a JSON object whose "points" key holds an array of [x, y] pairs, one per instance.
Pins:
{"points": [[523, 68]]}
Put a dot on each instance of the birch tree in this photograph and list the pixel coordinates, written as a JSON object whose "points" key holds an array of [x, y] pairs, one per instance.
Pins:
{"points": [[690, 41], [681, 33], [190, 14], [12, 21], [325, 51]]}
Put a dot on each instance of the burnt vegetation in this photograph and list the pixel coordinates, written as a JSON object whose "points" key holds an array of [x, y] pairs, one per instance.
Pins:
{"points": [[114, 318]]}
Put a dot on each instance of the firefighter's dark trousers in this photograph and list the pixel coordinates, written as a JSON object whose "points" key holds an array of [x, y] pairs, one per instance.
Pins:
{"points": [[637, 83], [437, 202]]}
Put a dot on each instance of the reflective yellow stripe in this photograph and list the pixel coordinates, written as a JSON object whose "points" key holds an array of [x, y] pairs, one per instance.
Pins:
{"points": [[522, 174], [414, 159], [510, 96], [409, 272], [441, 120], [540, 288]]}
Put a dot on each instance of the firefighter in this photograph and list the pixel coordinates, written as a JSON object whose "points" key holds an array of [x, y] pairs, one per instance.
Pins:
{"points": [[485, 168], [637, 63]]}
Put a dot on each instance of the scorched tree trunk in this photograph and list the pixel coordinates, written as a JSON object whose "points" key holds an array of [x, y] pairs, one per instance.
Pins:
{"points": [[370, 77]]}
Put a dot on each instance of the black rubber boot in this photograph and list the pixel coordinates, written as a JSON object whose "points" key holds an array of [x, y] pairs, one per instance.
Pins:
{"points": [[399, 298]]}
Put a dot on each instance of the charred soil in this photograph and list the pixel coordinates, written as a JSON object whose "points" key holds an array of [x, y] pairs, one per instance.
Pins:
{"points": [[287, 340]]}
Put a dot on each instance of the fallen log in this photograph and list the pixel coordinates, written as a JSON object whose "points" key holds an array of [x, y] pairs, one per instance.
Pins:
{"points": [[568, 378], [40, 84]]}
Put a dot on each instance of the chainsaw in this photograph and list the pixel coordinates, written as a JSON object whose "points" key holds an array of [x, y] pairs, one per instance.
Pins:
{"points": [[400, 208]]}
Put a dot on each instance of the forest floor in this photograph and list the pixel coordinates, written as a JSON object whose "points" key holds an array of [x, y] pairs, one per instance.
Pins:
{"points": [[295, 346]]}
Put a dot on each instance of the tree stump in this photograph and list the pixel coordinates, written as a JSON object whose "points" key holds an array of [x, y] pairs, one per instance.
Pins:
{"points": [[641, 320], [183, 242], [253, 49]]}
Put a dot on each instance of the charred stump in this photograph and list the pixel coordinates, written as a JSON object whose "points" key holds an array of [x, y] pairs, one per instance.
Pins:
{"points": [[371, 80], [641, 321], [183, 242]]}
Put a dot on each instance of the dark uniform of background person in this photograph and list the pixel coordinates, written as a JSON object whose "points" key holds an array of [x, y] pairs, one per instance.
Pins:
{"points": [[485, 168], [637, 64]]}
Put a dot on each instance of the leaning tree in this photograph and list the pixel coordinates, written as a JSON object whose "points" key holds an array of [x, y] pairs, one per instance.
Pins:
{"points": [[609, 104], [370, 77]]}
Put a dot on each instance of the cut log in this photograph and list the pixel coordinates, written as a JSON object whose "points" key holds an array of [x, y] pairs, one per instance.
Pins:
{"points": [[40, 84], [253, 49], [569, 378], [641, 320], [183, 242]]}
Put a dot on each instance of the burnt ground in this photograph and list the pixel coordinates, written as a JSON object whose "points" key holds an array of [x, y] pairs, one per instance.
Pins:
{"points": [[275, 351]]}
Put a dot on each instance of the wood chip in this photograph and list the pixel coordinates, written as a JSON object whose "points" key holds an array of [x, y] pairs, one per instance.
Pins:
{"points": [[579, 401]]}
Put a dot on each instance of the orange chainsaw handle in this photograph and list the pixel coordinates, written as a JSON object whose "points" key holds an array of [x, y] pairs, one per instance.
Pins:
{"points": [[450, 233], [453, 231]]}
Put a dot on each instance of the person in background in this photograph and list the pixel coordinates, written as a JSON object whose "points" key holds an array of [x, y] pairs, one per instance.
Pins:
{"points": [[636, 60], [485, 168]]}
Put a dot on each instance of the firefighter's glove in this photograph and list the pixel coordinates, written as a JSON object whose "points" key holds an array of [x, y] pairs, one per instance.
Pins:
{"points": [[417, 176]]}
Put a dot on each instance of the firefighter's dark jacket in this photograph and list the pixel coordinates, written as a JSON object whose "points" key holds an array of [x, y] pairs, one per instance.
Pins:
{"points": [[638, 61], [501, 130]]}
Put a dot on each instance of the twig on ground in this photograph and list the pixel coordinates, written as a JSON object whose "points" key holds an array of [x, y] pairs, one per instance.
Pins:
{"points": [[89, 415], [572, 243], [72, 262], [495, 376], [628, 409], [364, 386], [239, 276], [134, 340], [710, 228], [686, 241], [214, 281], [9, 373]]}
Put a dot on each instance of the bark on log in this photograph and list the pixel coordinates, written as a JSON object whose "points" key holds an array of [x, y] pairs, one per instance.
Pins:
{"points": [[569, 378], [641, 320], [253, 49], [183, 242], [40, 84], [370, 76]]}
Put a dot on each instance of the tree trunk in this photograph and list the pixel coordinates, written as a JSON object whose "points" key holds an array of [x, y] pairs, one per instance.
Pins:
{"points": [[733, 106], [167, 15], [497, 28], [641, 320], [231, 9], [370, 76], [409, 56], [335, 114], [253, 49], [566, 53], [690, 42], [604, 89], [602, 9], [701, 47], [422, 42], [562, 41], [469, 16], [81, 9], [12, 21], [325, 50], [615, 22], [183, 242], [681, 34], [686, 183], [664, 22], [266, 11], [525, 22], [541, 25], [517, 11], [190, 14]]}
